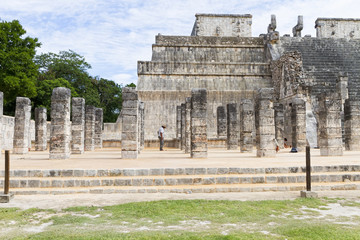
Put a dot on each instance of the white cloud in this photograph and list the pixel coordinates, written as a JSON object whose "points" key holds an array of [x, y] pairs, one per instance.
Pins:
{"points": [[113, 35]]}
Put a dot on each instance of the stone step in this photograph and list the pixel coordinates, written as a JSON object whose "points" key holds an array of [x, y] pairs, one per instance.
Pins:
{"points": [[174, 180], [190, 189], [174, 171]]}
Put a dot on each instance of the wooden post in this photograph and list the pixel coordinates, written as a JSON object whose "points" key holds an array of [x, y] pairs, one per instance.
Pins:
{"points": [[308, 169], [7, 172]]}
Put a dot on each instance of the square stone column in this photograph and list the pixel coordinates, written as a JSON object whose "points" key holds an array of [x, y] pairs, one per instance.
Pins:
{"points": [[199, 123], [232, 140], [178, 126], [141, 126], [221, 122], [1, 117], [330, 141], [89, 128], [279, 124], [40, 129], [60, 128], [99, 122], [22, 125], [78, 125], [188, 125], [246, 125], [352, 124], [183, 119], [129, 135], [265, 123], [298, 121]]}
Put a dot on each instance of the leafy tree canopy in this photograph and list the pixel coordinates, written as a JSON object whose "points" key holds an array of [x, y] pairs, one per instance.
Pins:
{"points": [[18, 72]]}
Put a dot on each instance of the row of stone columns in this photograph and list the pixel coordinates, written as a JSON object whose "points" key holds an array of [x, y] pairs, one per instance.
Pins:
{"points": [[85, 132]]}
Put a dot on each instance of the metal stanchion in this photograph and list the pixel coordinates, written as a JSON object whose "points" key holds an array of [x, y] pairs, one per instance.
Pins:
{"points": [[308, 193], [4, 198]]}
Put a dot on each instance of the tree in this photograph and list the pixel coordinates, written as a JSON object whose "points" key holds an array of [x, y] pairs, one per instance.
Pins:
{"points": [[18, 72], [110, 99]]}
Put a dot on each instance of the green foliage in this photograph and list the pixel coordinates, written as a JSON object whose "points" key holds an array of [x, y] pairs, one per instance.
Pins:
{"points": [[18, 72]]}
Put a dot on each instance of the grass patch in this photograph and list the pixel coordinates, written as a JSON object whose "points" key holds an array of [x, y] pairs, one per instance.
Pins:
{"points": [[184, 219]]}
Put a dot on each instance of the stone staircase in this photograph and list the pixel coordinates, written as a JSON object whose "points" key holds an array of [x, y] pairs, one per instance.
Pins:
{"points": [[181, 180], [324, 58]]}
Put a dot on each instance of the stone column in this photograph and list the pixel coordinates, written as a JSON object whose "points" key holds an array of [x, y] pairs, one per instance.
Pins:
{"points": [[298, 121], [141, 126], [246, 125], [129, 135], [183, 117], [22, 125], [40, 129], [330, 142], [78, 125], [198, 123], [188, 125], [178, 126], [98, 140], [352, 124], [60, 128], [232, 140], [279, 124], [89, 128], [221, 122], [1, 117], [265, 123]]}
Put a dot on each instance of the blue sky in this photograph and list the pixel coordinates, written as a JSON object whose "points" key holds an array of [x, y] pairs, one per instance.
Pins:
{"points": [[113, 35]]}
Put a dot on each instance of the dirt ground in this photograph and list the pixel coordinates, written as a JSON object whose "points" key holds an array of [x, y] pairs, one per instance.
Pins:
{"points": [[64, 201]]}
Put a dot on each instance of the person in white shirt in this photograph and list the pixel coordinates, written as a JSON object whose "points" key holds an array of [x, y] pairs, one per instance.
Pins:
{"points": [[161, 136]]}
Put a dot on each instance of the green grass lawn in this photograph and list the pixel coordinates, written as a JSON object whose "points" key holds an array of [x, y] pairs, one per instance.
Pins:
{"points": [[189, 219]]}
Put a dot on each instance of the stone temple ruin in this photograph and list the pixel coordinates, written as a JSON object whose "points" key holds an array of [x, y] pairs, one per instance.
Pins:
{"points": [[278, 87], [219, 87]]}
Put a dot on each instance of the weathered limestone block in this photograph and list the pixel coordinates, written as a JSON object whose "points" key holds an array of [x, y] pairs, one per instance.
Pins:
{"points": [[330, 141], [198, 123], [279, 124], [129, 135], [60, 128], [40, 129], [299, 26], [246, 125], [89, 128], [188, 125], [78, 125], [352, 124], [183, 117], [22, 125], [178, 125], [221, 122], [232, 141], [265, 123], [141, 126], [98, 139], [298, 121]]}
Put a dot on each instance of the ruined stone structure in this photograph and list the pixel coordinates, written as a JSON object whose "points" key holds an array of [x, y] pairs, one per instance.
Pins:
{"points": [[129, 136], [22, 125], [78, 126], [188, 125], [232, 141], [60, 130], [40, 129], [221, 122], [352, 124], [89, 128], [222, 57], [246, 125], [183, 130], [141, 126], [98, 141], [199, 123]]}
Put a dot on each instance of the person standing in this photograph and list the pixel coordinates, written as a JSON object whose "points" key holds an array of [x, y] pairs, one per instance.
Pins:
{"points": [[161, 136]]}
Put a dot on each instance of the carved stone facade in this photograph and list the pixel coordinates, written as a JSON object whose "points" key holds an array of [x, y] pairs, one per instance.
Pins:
{"points": [[246, 125], [40, 129], [232, 141], [199, 123], [78, 126], [22, 125]]}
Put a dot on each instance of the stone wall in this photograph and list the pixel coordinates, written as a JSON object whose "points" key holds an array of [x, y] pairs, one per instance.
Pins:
{"points": [[337, 28], [222, 25]]}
